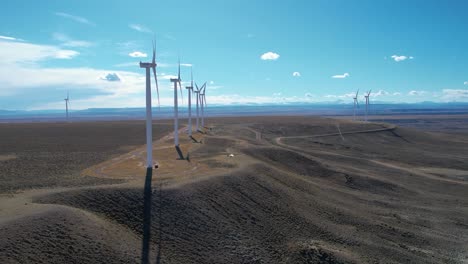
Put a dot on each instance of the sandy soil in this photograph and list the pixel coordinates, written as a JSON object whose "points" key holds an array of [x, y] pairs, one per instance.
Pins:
{"points": [[297, 190]]}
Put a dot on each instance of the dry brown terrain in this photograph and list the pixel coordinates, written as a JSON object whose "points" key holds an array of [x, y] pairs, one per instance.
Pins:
{"points": [[298, 190]]}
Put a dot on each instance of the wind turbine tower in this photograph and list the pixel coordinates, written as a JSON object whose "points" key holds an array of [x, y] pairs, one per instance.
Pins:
{"points": [[203, 105], [356, 104], [177, 82], [190, 91], [149, 118], [66, 106], [367, 102]]}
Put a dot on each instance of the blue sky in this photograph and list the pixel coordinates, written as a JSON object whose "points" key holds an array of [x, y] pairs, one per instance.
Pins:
{"points": [[248, 51]]}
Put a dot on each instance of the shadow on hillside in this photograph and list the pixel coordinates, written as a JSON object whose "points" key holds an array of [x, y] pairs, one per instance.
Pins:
{"points": [[146, 217]]}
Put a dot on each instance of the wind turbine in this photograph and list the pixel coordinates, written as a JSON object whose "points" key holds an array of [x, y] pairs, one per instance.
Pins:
{"points": [[356, 104], [149, 118], [176, 81], [197, 92], [203, 105], [66, 106], [367, 102], [190, 91]]}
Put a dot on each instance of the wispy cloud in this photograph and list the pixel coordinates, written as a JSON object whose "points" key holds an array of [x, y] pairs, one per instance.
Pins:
{"points": [[396, 93], [296, 74], [127, 64], [111, 77], [465, 83], [415, 93], [186, 65], [21, 52], [270, 56], [78, 19], [379, 93], [138, 54], [69, 42], [399, 58], [10, 38], [342, 96], [341, 76], [454, 95], [140, 28]]}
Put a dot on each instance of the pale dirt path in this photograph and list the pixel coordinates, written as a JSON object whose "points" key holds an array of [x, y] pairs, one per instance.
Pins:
{"points": [[387, 164], [391, 127]]}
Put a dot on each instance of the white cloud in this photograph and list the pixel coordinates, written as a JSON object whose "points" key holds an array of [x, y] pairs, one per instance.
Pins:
{"points": [[270, 56], [399, 58], [78, 19], [140, 28], [111, 77], [396, 93], [127, 64], [342, 96], [138, 54], [10, 38], [68, 42], [296, 74], [211, 82], [380, 93], [186, 65], [341, 76], [414, 93], [465, 83], [16, 52], [454, 95]]}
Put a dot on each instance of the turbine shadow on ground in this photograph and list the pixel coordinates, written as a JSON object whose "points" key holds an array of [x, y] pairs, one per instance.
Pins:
{"points": [[147, 193], [159, 237]]}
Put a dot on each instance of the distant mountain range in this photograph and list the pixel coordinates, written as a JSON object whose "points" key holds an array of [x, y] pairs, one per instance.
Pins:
{"points": [[325, 109]]}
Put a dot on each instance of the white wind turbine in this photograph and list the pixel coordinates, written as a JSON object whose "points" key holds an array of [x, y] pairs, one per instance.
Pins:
{"points": [[367, 102], [149, 118], [356, 104], [66, 106], [190, 91], [203, 105], [197, 92], [177, 82]]}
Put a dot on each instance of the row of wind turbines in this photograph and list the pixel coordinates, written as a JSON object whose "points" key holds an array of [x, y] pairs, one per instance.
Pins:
{"points": [[356, 104], [200, 106]]}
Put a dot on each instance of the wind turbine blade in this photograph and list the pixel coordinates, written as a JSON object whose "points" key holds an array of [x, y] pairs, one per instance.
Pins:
{"points": [[369, 92], [157, 87], [196, 86], [204, 99], [191, 77], [357, 92], [154, 52], [181, 94], [179, 70]]}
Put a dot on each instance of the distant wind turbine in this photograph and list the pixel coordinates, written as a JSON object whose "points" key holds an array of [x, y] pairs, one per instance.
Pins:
{"points": [[190, 91], [177, 82], [203, 105], [367, 102], [66, 106], [356, 104], [197, 92], [149, 118]]}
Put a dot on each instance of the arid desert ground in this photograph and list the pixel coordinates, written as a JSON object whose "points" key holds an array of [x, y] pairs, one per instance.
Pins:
{"points": [[296, 189]]}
